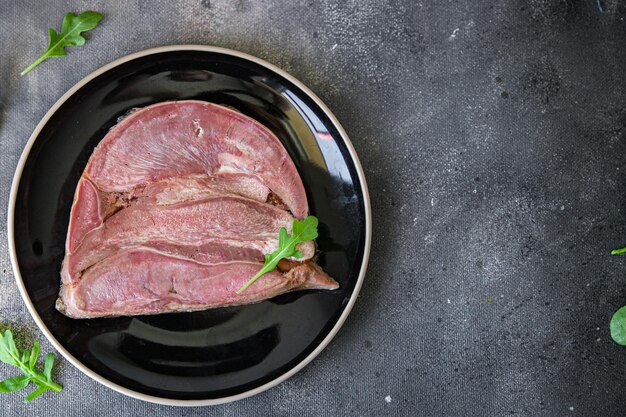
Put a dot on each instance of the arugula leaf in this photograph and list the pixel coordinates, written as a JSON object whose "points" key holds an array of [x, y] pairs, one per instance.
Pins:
{"points": [[618, 321], [34, 355], [14, 384], [26, 362], [618, 326], [70, 35], [618, 251], [35, 393], [8, 350], [47, 366], [301, 231]]}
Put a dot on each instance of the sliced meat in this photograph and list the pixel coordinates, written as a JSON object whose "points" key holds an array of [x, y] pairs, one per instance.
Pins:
{"points": [[233, 221], [92, 206], [146, 282], [183, 138], [86, 214], [176, 190], [174, 212]]}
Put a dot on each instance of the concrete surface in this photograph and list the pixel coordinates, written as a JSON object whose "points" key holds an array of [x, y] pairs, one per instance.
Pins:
{"points": [[493, 137]]}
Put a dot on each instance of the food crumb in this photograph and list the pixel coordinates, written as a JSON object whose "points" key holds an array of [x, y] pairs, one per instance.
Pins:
{"points": [[490, 300], [453, 35], [571, 408], [388, 398]]}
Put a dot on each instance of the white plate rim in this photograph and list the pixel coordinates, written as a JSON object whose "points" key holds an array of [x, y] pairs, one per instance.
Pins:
{"points": [[126, 391]]}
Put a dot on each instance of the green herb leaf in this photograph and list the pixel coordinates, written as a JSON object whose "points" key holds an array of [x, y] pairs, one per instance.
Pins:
{"points": [[25, 356], [34, 355], [14, 384], [47, 367], [8, 350], [70, 35], [35, 393], [618, 326], [301, 231], [26, 362], [618, 251]]}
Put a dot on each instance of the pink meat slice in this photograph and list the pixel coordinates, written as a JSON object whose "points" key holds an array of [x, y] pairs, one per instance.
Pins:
{"points": [[146, 282], [174, 212], [175, 190], [229, 220], [182, 138], [91, 206]]}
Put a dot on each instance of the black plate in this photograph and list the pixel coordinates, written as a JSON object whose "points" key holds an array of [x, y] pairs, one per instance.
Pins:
{"points": [[216, 354]]}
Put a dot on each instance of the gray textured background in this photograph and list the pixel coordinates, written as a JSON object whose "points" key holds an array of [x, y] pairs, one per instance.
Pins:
{"points": [[493, 138]]}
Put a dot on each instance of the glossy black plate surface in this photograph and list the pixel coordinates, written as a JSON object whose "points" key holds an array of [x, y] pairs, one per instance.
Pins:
{"points": [[216, 353]]}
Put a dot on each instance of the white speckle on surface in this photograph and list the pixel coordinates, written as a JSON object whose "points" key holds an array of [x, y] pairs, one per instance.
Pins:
{"points": [[598, 339], [432, 202], [333, 47], [468, 26], [597, 328], [388, 398], [475, 191], [448, 301], [571, 408], [562, 208], [429, 238]]}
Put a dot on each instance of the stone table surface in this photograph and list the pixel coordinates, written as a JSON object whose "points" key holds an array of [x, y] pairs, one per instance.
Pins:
{"points": [[492, 135]]}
